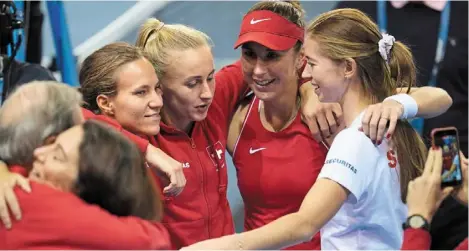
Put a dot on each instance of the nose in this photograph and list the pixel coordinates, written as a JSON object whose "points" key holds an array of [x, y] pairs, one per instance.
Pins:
{"points": [[260, 68], [207, 90], [156, 101]]}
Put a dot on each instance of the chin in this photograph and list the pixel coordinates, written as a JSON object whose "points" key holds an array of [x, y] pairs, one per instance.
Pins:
{"points": [[199, 116], [151, 131]]}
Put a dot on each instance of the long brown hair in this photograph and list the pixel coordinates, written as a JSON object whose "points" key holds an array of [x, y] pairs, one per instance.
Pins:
{"points": [[349, 33], [98, 71]]}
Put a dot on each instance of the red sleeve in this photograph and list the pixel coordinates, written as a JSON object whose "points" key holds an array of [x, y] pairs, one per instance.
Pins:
{"points": [[57, 220], [19, 170], [141, 143], [416, 239], [230, 87], [463, 245]]}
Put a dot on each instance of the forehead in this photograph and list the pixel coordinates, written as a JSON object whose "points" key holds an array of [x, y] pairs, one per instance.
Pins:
{"points": [[136, 73], [311, 48], [70, 140], [191, 62]]}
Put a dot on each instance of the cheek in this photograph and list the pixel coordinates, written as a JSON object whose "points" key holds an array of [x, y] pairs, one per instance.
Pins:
{"points": [[62, 176]]}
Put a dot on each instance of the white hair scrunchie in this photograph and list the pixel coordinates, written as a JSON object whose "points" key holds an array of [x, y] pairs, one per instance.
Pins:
{"points": [[384, 46]]}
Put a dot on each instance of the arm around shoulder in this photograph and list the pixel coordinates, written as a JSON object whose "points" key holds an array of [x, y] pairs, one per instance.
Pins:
{"points": [[431, 101]]}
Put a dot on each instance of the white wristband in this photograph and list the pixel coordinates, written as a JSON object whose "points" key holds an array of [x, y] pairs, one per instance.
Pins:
{"points": [[410, 105]]}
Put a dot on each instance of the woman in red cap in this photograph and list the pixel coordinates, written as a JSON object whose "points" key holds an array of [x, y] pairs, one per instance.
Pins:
{"points": [[284, 201]]}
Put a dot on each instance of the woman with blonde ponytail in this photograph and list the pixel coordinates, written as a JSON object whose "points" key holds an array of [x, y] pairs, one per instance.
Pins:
{"points": [[356, 200]]}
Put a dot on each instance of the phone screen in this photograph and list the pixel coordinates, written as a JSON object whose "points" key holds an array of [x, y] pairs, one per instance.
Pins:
{"points": [[448, 142]]}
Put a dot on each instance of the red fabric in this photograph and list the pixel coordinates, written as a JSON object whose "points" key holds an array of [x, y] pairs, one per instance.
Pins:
{"points": [[276, 170], [201, 211], [56, 220], [269, 29], [19, 169], [419, 239], [141, 142], [416, 239], [463, 245]]}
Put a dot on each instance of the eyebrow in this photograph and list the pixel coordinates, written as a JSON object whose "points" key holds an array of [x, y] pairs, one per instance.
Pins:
{"points": [[200, 77]]}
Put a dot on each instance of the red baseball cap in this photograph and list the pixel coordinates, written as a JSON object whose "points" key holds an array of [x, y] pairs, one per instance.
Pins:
{"points": [[270, 30]]}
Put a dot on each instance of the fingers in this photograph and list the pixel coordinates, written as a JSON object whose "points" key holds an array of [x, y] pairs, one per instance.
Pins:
{"points": [[24, 184], [429, 163], [382, 124], [331, 121], [366, 121], [393, 118], [12, 203], [314, 128], [323, 125], [337, 110], [4, 216], [437, 164]]}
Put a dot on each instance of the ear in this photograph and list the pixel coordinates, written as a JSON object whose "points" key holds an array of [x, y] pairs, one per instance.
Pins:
{"points": [[350, 68], [105, 104], [300, 60]]}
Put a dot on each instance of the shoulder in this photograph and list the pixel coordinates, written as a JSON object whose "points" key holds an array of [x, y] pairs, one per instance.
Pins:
{"points": [[232, 72], [352, 146]]}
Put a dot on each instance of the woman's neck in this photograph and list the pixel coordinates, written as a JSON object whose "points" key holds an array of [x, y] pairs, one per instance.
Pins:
{"points": [[278, 113], [353, 103], [184, 124]]}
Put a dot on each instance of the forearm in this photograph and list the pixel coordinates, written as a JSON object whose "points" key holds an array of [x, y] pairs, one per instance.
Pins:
{"points": [[286, 231], [283, 232], [431, 101]]}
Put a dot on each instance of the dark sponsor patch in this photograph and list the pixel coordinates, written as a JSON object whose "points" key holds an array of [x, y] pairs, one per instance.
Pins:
{"points": [[342, 162]]}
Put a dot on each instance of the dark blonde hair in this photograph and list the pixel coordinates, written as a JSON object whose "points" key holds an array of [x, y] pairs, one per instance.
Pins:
{"points": [[290, 10], [158, 40], [349, 33], [98, 71]]}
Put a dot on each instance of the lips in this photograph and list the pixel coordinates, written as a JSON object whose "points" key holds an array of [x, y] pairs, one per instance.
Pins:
{"points": [[263, 83]]}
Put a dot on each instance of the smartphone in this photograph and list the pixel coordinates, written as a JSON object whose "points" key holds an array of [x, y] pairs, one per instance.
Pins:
{"points": [[448, 140]]}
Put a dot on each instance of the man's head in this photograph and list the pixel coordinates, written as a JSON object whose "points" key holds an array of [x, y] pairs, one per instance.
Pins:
{"points": [[32, 115]]}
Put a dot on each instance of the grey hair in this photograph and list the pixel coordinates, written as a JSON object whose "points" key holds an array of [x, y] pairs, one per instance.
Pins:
{"points": [[34, 112]]}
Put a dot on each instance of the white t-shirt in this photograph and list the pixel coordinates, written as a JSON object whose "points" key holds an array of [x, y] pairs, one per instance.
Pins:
{"points": [[372, 215]]}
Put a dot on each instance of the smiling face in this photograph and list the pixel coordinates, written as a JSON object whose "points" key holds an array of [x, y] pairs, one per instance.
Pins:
{"points": [[138, 102], [188, 86], [57, 164], [269, 73], [328, 76]]}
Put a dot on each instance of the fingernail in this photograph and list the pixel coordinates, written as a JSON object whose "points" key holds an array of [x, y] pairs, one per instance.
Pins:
{"points": [[388, 135], [374, 142], [8, 226], [360, 129], [379, 142], [18, 217]]}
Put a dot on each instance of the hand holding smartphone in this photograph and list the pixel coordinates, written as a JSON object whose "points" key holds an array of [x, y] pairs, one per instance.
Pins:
{"points": [[448, 140]]}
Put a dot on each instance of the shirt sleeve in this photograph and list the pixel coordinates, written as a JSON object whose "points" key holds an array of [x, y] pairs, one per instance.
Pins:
{"points": [[230, 87], [350, 161], [141, 143], [416, 239]]}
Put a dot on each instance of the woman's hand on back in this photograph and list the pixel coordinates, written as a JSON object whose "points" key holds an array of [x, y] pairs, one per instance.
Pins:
{"points": [[171, 168], [8, 200]]}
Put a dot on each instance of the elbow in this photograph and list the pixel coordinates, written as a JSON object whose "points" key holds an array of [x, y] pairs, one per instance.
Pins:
{"points": [[442, 101]]}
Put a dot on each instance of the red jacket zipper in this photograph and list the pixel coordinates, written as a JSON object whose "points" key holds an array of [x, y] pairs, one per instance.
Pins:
{"points": [[204, 189]]}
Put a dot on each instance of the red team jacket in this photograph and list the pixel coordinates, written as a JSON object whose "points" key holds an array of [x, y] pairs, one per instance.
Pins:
{"points": [[419, 239], [201, 211], [52, 219]]}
